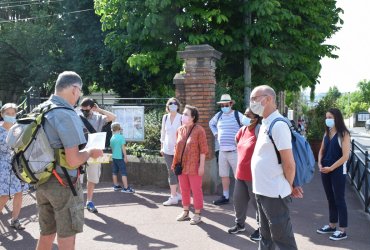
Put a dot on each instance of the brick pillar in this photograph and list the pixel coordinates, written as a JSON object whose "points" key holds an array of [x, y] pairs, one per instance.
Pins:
{"points": [[196, 87]]}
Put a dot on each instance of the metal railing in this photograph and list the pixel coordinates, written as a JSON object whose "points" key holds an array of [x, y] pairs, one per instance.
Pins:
{"points": [[359, 172]]}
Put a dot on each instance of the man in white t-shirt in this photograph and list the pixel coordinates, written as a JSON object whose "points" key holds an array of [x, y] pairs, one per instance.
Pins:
{"points": [[272, 182]]}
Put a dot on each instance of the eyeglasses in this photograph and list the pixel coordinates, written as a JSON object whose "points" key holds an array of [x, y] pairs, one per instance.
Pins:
{"points": [[255, 98], [85, 110], [79, 88], [172, 103], [224, 105]]}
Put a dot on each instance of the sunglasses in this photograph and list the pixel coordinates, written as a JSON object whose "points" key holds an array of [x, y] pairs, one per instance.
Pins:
{"points": [[172, 103]]}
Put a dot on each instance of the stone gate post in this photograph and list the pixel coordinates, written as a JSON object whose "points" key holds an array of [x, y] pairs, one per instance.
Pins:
{"points": [[196, 87]]}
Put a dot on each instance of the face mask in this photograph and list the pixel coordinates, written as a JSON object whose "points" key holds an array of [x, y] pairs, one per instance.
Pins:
{"points": [[246, 121], [86, 113], [257, 108], [173, 107], [329, 123], [185, 119], [9, 119], [225, 109], [77, 102]]}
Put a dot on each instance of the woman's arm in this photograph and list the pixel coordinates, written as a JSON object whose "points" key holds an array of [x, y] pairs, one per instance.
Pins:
{"points": [[321, 152], [201, 164]]}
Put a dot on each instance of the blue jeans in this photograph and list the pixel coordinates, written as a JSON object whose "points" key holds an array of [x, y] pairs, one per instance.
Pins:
{"points": [[119, 164], [334, 185]]}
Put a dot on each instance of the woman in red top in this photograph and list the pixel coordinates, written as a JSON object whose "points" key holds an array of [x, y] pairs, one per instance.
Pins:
{"points": [[192, 137], [246, 139]]}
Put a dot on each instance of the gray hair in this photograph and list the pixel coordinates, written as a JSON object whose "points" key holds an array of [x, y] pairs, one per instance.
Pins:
{"points": [[67, 79], [8, 106]]}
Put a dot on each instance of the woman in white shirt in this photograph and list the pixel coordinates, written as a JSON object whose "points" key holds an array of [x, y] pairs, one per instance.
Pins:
{"points": [[170, 123]]}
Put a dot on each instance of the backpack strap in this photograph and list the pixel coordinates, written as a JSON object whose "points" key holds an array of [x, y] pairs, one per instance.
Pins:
{"points": [[237, 118], [236, 114], [272, 139], [88, 125]]}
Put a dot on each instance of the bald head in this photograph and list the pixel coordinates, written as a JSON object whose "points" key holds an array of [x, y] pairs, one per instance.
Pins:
{"points": [[265, 90]]}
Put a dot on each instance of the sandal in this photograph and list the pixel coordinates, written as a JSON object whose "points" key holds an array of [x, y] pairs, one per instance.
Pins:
{"points": [[183, 216], [16, 225], [196, 219]]}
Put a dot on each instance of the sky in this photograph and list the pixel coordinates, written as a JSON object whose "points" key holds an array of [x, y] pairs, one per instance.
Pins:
{"points": [[353, 64]]}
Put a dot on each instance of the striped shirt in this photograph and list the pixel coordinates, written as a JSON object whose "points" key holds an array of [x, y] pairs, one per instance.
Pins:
{"points": [[225, 129]]}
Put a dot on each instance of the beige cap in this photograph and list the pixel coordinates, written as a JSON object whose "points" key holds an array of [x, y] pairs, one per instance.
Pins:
{"points": [[225, 98]]}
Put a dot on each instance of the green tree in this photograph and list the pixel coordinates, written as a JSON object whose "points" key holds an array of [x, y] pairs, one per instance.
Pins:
{"points": [[286, 38], [364, 87]]}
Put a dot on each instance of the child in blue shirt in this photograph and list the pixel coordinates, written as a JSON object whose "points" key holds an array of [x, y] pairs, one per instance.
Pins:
{"points": [[119, 158]]}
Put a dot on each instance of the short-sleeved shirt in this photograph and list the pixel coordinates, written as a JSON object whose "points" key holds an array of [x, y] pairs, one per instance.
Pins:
{"points": [[97, 121], [195, 146], [63, 127], [246, 142], [226, 128], [267, 174], [116, 143]]}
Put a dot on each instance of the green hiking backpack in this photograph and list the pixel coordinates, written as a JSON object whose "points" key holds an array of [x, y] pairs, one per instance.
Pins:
{"points": [[33, 159]]}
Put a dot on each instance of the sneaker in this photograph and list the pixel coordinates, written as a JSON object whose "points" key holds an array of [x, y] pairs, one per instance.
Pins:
{"points": [[183, 216], [179, 197], [91, 208], [128, 190], [171, 201], [338, 235], [117, 188], [196, 219], [221, 201], [16, 224], [236, 229], [326, 230], [256, 236]]}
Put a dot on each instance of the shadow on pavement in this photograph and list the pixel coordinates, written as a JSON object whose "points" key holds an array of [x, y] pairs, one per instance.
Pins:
{"points": [[124, 234]]}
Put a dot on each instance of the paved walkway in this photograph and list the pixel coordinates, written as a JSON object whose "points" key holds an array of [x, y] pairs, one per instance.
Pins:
{"points": [[139, 221]]}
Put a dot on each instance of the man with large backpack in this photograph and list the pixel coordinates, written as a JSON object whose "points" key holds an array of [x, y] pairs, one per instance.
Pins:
{"points": [[272, 181], [224, 126], [94, 119], [60, 211]]}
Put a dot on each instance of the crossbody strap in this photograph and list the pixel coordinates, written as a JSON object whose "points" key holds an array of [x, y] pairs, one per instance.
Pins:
{"points": [[183, 150]]}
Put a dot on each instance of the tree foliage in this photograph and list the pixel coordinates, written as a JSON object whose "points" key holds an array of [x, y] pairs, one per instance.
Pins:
{"points": [[286, 38], [48, 38]]}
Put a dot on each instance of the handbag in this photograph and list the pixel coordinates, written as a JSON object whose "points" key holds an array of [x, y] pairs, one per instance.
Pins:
{"points": [[178, 166]]}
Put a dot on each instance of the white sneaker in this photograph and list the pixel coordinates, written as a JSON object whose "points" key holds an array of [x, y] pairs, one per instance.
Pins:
{"points": [[171, 201], [179, 196]]}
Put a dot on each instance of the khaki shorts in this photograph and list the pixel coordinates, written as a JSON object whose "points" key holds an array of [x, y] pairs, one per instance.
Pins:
{"points": [[227, 160], [59, 211], [93, 171]]}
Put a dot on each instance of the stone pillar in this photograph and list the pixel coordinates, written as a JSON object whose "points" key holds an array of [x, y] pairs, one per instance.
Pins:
{"points": [[196, 87]]}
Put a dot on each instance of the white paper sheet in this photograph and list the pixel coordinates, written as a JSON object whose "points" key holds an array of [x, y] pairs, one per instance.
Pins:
{"points": [[96, 140]]}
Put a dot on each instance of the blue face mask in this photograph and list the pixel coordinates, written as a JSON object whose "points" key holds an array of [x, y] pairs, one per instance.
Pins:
{"points": [[9, 119], [246, 121], [225, 109], [329, 123]]}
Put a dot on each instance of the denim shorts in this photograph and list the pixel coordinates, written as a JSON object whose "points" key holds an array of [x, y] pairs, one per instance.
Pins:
{"points": [[119, 165]]}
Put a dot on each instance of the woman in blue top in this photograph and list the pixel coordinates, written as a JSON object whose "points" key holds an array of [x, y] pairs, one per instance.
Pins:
{"points": [[333, 155]]}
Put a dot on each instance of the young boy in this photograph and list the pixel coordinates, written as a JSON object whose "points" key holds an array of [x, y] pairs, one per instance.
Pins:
{"points": [[119, 157]]}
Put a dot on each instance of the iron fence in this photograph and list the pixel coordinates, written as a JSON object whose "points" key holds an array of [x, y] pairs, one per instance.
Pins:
{"points": [[359, 172]]}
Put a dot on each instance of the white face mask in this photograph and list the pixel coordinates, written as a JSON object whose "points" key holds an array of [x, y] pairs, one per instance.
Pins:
{"points": [[257, 108], [185, 119], [172, 107]]}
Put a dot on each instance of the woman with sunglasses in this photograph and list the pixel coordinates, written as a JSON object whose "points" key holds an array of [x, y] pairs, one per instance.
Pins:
{"points": [[170, 123]]}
